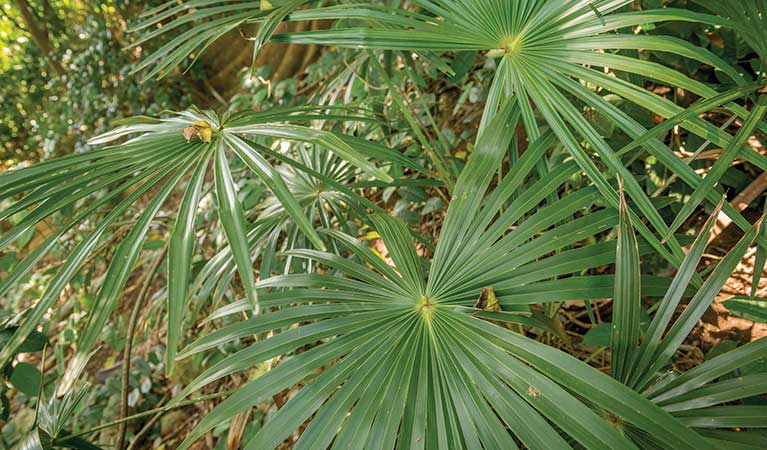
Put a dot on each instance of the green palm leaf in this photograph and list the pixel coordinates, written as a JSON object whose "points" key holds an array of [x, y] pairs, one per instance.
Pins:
{"points": [[180, 254], [404, 362], [543, 47], [157, 154], [705, 396], [747, 18], [627, 302]]}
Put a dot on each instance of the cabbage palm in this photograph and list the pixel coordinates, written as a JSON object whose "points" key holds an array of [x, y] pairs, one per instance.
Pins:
{"points": [[160, 153], [420, 353], [409, 358], [549, 51]]}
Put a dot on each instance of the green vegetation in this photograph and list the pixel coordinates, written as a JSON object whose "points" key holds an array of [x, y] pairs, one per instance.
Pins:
{"points": [[418, 224]]}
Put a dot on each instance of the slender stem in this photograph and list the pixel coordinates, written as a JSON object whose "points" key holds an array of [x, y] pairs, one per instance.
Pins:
{"points": [[144, 430], [163, 409], [137, 306], [434, 155], [13, 21]]}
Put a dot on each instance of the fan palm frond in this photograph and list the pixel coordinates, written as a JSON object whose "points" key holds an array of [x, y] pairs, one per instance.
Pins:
{"points": [[704, 397], [748, 18], [548, 51], [407, 362], [156, 159]]}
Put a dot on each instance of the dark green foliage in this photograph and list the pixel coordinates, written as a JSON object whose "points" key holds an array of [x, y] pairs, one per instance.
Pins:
{"points": [[386, 249]]}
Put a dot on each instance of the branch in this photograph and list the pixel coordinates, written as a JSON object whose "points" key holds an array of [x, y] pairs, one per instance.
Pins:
{"points": [[13, 21]]}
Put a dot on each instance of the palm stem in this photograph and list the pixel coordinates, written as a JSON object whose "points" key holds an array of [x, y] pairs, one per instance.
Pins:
{"points": [[125, 384]]}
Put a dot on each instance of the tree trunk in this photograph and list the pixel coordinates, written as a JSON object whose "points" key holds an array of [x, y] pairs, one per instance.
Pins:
{"points": [[40, 35], [230, 54]]}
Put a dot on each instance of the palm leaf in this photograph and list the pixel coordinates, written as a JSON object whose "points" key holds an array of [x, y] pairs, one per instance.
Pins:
{"points": [[543, 47], [157, 154], [705, 397], [747, 18], [405, 364], [627, 303]]}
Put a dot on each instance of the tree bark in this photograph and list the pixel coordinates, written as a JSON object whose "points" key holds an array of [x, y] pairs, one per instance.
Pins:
{"points": [[230, 54]]}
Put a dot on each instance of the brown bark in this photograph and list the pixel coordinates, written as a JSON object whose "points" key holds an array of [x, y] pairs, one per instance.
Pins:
{"points": [[51, 18], [39, 35], [227, 56]]}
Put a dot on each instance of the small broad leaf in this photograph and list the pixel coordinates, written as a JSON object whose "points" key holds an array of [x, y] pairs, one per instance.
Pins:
{"points": [[26, 379], [35, 341]]}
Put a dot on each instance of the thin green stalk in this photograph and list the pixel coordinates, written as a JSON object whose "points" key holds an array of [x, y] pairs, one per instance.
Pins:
{"points": [[132, 323], [437, 159], [163, 409]]}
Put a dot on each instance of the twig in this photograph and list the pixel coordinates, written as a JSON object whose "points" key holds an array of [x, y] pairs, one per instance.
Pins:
{"points": [[144, 430], [740, 203], [214, 92], [163, 409], [13, 21], [143, 294]]}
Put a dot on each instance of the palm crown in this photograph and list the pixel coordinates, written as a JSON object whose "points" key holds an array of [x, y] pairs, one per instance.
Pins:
{"points": [[550, 53], [415, 367]]}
